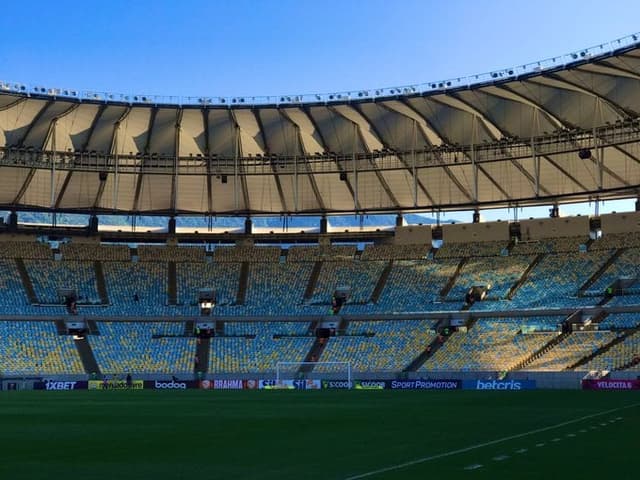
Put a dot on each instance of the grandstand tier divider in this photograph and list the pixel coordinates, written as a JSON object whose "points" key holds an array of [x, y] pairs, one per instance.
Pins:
{"points": [[437, 343], [382, 281], [243, 283], [172, 284], [452, 280], [541, 351], [603, 349], [525, 275], [101, 285], [598, 273], [203, 352], [87, 357], [26, 281], [313, 280]]}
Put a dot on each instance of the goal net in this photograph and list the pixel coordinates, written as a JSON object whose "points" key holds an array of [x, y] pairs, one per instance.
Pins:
{"points": [[295, 370]]}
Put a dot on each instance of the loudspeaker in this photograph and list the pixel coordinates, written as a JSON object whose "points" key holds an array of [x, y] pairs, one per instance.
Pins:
{"points": [[343, 176], [584, 154], [223, 178], [102, 176]]}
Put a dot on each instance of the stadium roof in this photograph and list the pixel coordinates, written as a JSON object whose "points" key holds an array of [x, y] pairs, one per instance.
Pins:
{"points": [[567, 129]]}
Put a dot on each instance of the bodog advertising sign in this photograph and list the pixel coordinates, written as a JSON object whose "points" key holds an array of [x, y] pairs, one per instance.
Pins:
{"points": [[115, 385]]}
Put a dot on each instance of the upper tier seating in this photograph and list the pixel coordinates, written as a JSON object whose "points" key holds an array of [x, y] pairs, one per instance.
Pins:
{"points": [[548, 245], [48, 276], [95, 252], [246, 254], [329, 253], [25, 249], [554, 282], [395, 252], [499, 272], [149, 253], [470, 249]]}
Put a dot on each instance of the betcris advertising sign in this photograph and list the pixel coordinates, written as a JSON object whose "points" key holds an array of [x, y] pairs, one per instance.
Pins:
{"points": [[49, 384], [424, 384], [499, 384]]}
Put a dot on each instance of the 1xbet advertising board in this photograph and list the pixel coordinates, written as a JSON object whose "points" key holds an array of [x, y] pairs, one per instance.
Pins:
{"points": [[52, 384], [499, 385]]}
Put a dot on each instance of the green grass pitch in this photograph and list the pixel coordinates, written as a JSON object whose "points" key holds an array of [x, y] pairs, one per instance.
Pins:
{"points": [[329, 434]]}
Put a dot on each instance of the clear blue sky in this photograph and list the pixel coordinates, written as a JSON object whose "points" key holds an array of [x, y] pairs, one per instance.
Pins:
{"points": [[260, 47]]}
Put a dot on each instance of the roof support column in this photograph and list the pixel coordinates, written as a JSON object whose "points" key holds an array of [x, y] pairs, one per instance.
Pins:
{"points": [[474, 167], [52, 158], [295, 183], [235, 167], [536, 166], [116, 160], [355, 169], [599, 157]]}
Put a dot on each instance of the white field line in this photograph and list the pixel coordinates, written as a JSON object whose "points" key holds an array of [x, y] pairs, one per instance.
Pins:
{"points": [[418, 461]]}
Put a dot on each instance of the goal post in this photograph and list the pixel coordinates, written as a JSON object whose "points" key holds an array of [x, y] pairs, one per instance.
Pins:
{"points": [[290, 370]]}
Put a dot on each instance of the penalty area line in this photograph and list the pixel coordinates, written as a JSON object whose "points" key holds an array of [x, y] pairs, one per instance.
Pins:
{"points": [[418, 461]]}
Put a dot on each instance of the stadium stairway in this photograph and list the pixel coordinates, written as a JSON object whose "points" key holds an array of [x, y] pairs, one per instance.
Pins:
{"points": [[219, 328], [26, 281], [93, 327], [603, 349], [525, 275], [452, 280], [313, 280], [538, 353], [382, 281], [101, 285], [429, 350], [314, 355], [86, 356], [189, 328], [61, 328], [596, 275], [172, 284], [203, 349], [243, 283]]}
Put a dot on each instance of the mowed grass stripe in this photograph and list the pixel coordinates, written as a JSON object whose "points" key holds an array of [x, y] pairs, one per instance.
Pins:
{"points": [[268, 434]]}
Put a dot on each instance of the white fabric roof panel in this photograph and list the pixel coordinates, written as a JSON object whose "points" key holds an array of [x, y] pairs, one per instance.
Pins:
{"points": [[16, 121], [134, 131], [80, 191], [103, 133], [11, 180], [72, 130], [163, 133], [192, 134], [222, 133]]}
